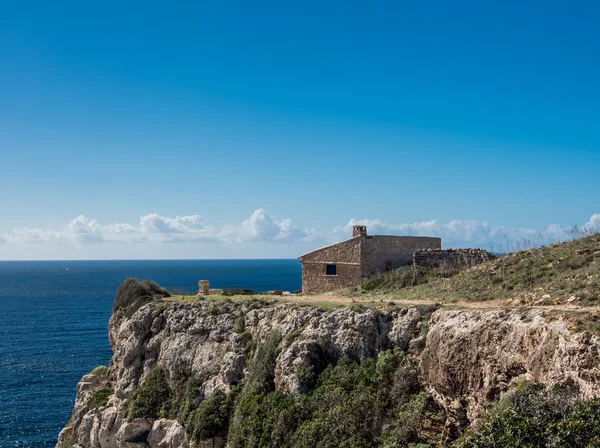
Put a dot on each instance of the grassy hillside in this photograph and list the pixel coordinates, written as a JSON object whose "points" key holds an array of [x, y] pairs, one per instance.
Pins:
{"points": [[560, 273]]}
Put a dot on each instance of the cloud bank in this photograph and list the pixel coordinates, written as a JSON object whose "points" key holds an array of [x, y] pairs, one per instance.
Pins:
{"points": [[469, 233], [261, 227]]}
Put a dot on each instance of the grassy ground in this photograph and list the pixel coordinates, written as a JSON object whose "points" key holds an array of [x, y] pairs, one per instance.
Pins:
{"points": [[560, 273], [312, 300]]}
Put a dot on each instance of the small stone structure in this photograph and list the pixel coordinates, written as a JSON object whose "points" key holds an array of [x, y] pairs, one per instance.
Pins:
{"points": [[348, 262], [451, 258], [216, 291], [203, 287]]}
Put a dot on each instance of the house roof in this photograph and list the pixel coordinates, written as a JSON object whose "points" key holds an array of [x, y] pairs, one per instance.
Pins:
{"points": [[325, 247], [357, 236]]}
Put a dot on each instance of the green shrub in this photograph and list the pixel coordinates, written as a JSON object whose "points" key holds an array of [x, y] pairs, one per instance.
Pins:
{"points": [[185, 391], [238, 292], [345, 404], [358, 308], [533, 416], [262, 420], [388, 362], [292, 335], [98, 398], [240, 324], [211, 418], [349, 406], [100, 370], [261, 372], [306, 377], [133, 294], [69, 439], [152, 398], [345, 409], [248, 344], [408, 422]]}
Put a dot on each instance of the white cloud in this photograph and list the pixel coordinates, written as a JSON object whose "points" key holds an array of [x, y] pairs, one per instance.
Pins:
{"points": [[259, 227], [86, 230], [469, 233], [594, 222], [262, 227], [179, 229], [35, 235]]}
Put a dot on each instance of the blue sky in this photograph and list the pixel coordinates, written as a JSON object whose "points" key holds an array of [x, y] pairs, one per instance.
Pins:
{"points": [[267, 127]]}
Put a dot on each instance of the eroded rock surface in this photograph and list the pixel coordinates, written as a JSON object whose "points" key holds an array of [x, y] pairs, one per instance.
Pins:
{"points": [[471, 358], [466, 358]]}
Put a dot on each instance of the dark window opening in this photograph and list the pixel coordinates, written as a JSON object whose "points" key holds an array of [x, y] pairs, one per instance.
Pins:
{"points": [[330, 269]]}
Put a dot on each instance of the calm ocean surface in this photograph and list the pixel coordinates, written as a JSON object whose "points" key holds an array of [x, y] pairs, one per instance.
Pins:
{"points": [[53, 327]]}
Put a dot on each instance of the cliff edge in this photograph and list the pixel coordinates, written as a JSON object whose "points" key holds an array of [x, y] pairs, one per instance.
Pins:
{"points": [[208, 373]]}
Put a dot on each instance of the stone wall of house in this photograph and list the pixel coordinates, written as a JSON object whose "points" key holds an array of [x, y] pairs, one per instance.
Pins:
{"points": [[314, 278], [346, 257], [451, 258], [382, 253], [359, 257]]}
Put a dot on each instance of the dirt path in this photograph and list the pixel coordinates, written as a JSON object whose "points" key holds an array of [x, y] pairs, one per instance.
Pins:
{"points": [[335, 297]]}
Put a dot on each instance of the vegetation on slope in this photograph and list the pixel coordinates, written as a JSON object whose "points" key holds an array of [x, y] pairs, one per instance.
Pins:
{"points": [[546, 275], [99, 398], [348, 404], [152, 398], [532, 416], [133, 294]]}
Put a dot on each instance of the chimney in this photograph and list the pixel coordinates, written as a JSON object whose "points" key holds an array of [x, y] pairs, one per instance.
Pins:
{"points": [[359, 230]]}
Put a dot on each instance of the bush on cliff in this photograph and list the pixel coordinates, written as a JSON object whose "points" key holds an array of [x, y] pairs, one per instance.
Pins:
{"points": [[345, 404], [261, 372], [238, 292], [100, 370], [533, 416], [98, 398], [132, 294], [180, 398], [371, 403], [186, 390], [211, 417], [152, 398]]}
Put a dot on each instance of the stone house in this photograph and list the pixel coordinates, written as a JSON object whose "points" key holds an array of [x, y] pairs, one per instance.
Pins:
{"points": [[346, 263]]}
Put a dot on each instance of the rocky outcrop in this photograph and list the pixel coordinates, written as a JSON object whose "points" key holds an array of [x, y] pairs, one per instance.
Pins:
{"points": [[472, 357], [467, 358]]}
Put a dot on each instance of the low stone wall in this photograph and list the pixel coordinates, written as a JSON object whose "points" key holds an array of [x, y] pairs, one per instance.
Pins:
{"points": [[451, 258]]}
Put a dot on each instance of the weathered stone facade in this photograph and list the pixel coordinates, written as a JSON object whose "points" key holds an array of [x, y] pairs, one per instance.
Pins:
{"points": [[347, 263], [451, 258], [345, 256], [382, 253]]}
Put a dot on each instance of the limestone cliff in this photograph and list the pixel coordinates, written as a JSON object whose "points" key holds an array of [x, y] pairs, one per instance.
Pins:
{"points": [[465, 358]]}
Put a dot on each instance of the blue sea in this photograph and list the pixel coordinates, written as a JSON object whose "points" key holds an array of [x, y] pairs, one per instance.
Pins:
{"points": [[53, 327]]}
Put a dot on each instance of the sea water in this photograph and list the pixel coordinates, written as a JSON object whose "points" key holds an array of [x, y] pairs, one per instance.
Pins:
{"points": [[53, 327]]}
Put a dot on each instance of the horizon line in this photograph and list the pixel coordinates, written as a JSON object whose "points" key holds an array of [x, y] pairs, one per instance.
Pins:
{"points": [[147, 259]]}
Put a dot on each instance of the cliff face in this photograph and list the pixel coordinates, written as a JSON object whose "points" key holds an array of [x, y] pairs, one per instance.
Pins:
{"points": [[465, 358]]}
